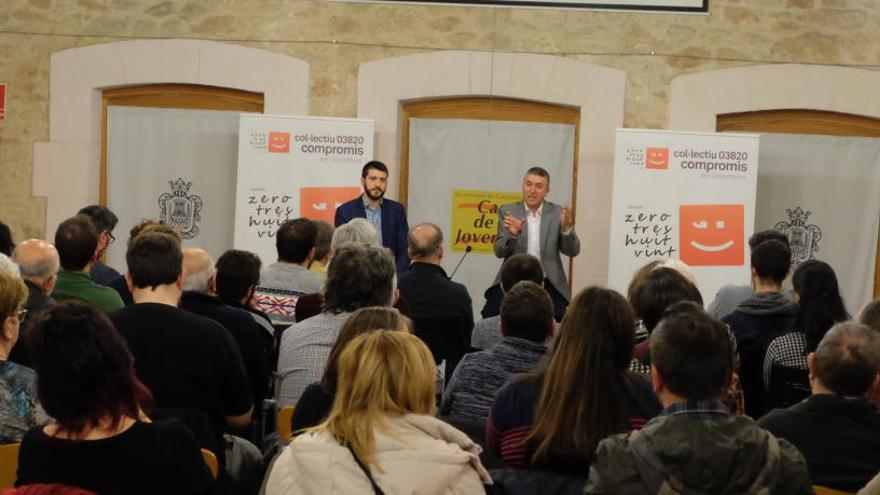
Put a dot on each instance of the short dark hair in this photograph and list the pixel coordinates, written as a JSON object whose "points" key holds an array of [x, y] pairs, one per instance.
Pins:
{"points": [[76, 240], [154, 259], [527, 312], [848, 359], [870, 315], [101, 216], [767, 235], [6, 244], [237, 272], [657, 290], [322, 241], [375, 165], [519, 267], [360, 275], [771, 261], [86, 371], [540, 172], [294, 240], [693, 352], [433, 244]]}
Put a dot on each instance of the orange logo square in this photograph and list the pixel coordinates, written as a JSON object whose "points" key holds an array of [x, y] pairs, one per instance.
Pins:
{"points": [[320, 203], [712, 235], [657, 158], [279, 142]]}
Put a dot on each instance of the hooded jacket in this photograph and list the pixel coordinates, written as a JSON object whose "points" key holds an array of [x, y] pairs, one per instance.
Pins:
{"points": [[415, 454], [708, 456], [754, 323]]}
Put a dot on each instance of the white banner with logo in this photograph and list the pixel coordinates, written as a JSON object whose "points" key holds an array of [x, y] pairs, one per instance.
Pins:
{"points": [[824, 193], [292, 167], [683, 195]]}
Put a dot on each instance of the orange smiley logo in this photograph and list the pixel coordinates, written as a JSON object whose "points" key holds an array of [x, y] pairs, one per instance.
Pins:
{"points": [[657, 158], [320, 203], [279, 142], [712, 235]]}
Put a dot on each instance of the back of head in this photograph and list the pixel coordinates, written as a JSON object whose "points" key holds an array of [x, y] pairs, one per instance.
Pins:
{"points": [[527, 312], [594, 347], [101, 216], [198, 269], [640, 275], [692, 352], [358, 230], [86, 372], [154, 259], [360, 275], [870, 315], [767, 235], [37, 259], [7, 265], [295, 239], [237, 272], [847, 360], [771, 261], [76, 240], [425, 240], [820, 304], [13, 294], [658, 289], [148, 225], [519, 267], [380, 374], [6, 244], [361, 321], [322, 241]]}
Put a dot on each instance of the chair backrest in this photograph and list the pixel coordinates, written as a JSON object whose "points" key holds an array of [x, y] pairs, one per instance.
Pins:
{"points": [[788, 386], [8, 464], [285, 424], [211, 461], [824, 490]]}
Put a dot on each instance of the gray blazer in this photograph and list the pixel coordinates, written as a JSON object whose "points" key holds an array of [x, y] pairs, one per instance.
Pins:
{"points": [[553, 242]]}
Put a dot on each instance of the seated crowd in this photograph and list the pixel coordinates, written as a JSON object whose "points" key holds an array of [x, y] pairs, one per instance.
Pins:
{"points": [[125, 382]]}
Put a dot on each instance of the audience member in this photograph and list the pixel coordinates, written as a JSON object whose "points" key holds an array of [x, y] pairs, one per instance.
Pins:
{"points": [[695, 445], [832, 428], [104, 221], [870, 315], [100, 438], [77, 241], [527, 323], [441, 309], [19, 407], [39, 264], [553, 419], [638, 276], [381, 436], [9, 266], [6, 244], [516, 268], [199, 288], [143, 227], [730, 296], [359, 275], [238, 273], [819, 307], [187, 361], [282, 282], [322, 248], [317, 399], [760, 319]]}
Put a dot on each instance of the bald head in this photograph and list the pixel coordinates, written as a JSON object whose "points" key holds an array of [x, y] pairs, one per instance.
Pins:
{"points": [[198, 267], [39, 263], [426, 243]]}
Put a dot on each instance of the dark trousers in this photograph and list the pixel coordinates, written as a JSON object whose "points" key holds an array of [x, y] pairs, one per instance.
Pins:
{"points": [[494, 295]]}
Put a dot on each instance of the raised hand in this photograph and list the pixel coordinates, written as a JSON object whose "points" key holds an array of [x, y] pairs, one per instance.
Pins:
{"points": [[565, 220], [512, 224]]}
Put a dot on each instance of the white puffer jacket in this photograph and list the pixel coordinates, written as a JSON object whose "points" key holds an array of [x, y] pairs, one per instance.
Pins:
{"points": [[419, 455]]}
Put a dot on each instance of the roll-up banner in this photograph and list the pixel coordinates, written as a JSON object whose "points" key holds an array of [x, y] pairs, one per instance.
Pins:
{"points": [[683, 195]]}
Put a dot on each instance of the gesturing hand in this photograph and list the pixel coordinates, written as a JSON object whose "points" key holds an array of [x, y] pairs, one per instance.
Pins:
{"points": [[512, 224], [565, 218]]}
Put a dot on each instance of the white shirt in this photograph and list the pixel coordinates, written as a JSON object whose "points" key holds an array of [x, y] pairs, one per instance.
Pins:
{"points": [[534, 231]]}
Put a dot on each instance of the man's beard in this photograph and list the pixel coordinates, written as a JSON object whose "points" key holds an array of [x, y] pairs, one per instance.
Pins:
{"points": [[375, 194]]}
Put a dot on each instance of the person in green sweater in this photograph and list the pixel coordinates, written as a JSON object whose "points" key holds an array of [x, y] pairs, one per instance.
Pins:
{"points": [[77, 241]]}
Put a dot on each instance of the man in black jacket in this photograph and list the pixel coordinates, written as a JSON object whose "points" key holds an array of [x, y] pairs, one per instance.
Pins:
{"points": [[39, 264]]}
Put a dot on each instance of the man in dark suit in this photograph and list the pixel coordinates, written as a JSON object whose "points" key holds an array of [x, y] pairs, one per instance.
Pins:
{"points": [[386, 215], [440, 308], [542, 229]]}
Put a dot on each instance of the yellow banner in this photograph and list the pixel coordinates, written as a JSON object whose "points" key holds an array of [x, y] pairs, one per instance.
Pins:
{"points": [[475, 218]]}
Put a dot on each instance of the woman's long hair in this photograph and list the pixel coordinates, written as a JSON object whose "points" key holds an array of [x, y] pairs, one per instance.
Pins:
{"points": [[820, 305], [380, 373], [577, 404]]}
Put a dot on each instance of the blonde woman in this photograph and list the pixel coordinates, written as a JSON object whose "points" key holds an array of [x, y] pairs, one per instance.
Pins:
{"points": [[380, 436]]}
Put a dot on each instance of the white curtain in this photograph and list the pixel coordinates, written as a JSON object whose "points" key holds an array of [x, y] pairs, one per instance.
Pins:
{"points": [[824, 191], [178, 165], [450, 154]]}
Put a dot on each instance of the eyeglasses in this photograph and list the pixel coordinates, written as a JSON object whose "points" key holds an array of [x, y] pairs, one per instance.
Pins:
{"points": [[21, 314], [110, 235]]}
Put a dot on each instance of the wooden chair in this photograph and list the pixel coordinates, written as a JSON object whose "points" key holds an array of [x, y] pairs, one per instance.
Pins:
{"points": [[285, 424], [823, 490], [211, 461], [8, 465]]}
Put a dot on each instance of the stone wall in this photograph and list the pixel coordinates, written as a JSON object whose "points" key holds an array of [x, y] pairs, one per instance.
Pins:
{"points": [[335, 38]]}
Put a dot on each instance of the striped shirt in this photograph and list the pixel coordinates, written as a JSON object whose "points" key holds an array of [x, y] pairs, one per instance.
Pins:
{"points": [[374, 215], [303, 354]]}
